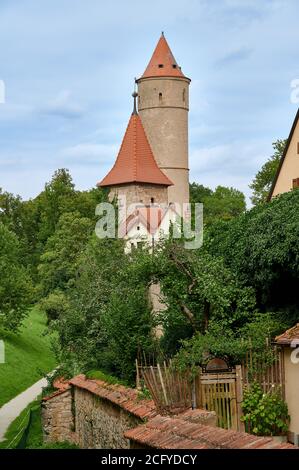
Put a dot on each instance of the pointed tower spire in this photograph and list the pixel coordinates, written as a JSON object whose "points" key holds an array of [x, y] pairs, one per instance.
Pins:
{"points": [[135, 162], [162, 63]]}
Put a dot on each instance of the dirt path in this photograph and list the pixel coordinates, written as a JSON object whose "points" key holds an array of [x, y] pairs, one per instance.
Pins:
{"points": [[11, 410]]}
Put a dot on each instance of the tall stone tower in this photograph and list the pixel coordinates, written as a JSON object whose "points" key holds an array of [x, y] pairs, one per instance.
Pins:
{"points": [[163, 105]]}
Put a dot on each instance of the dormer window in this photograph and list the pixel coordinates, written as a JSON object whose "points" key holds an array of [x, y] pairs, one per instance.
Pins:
{"points": [[160, 66], [174, 66]]}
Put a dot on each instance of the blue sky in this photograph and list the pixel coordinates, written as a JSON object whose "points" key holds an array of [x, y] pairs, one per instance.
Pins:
{"points": [[69, 67]]}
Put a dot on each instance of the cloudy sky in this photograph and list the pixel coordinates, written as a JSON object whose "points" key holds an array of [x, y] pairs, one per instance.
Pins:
{"points": [[69, 68]]}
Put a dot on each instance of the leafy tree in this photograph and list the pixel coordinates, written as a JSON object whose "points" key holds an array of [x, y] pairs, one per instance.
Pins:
{"points": [[221, 204], [109, 318], [60, 261], [200, 287], [261, 248], [15, 284], [263, 180]]}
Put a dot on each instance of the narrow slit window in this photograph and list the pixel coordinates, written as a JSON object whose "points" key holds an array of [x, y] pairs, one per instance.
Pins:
{"points": [[160, 96], [152, 200], [298, 148], [184, 95]]}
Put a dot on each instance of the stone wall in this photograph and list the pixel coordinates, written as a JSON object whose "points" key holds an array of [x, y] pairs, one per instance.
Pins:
{"points": [[139, 193], [57, 417], [101, 424]]}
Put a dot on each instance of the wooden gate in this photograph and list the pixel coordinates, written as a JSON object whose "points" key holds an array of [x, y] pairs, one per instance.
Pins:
{"points": [[221, 392]]}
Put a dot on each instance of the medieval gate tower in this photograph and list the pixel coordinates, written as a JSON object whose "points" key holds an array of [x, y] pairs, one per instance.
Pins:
{"points": [[163, 105]]}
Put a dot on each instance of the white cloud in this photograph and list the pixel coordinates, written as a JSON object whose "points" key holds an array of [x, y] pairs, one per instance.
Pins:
{"points": [[63, 105]]}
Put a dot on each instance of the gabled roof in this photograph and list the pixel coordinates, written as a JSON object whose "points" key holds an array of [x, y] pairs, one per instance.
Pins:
{"points": [[284, 155], [289, 336], [135, 162], [163, 63], [150, 217]]}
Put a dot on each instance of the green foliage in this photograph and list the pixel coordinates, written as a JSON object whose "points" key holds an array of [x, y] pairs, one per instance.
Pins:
{"points": [[15, 284], [99, 375], [221, 204], [231, 343], [59, 262], [200, 288], [263, 180], [265, 414], [54, 305], [109, 317], [262, 248]]}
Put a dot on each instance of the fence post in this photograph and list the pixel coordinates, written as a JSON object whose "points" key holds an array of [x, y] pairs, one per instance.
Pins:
{"points": [[137, 376], [239, 397], [197, 384]]}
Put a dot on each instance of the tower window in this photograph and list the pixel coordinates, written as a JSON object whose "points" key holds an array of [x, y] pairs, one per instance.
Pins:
{"points": [[160, 96], [174, 66], [298, 148], [138, 227], [152, 200], [184, 95], [160, 66]]}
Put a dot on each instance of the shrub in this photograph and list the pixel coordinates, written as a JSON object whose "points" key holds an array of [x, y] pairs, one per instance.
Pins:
{"points": [[265, 414]]}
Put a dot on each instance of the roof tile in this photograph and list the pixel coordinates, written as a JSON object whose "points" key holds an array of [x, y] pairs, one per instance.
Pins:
{"points": [[135, 162]]}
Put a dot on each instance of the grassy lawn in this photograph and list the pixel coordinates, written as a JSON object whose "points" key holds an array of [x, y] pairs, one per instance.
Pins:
{"points": [[28, 356]]}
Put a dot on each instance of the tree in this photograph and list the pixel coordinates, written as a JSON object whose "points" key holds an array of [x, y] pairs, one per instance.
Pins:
{"points": [[15, 283], [197, 288], [263, 180], [60, 261], [221, 204], [109, 317], [261, 248]]}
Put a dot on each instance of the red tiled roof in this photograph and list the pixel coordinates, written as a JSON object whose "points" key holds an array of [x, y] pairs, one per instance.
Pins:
{"points": [[162, 63], [164, 432], [289, 336], [126, 398], [135, 162]]}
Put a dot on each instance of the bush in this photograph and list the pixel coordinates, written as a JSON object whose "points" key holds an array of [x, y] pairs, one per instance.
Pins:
{"points": [[265, 414]]}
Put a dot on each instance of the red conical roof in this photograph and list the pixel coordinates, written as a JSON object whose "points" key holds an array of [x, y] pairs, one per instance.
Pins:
{"points": [[162, 63], [135, 162]]}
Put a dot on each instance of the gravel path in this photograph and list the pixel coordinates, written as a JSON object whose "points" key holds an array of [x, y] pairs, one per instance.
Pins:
{"points": [[11, 410]]}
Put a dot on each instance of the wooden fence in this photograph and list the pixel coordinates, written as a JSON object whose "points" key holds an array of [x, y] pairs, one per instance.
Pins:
{"points": [[269, 376], [170, 389], [219, 391]]}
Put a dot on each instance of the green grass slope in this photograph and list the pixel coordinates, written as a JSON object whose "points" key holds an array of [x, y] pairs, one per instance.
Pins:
{"points": [[28, 356]]}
